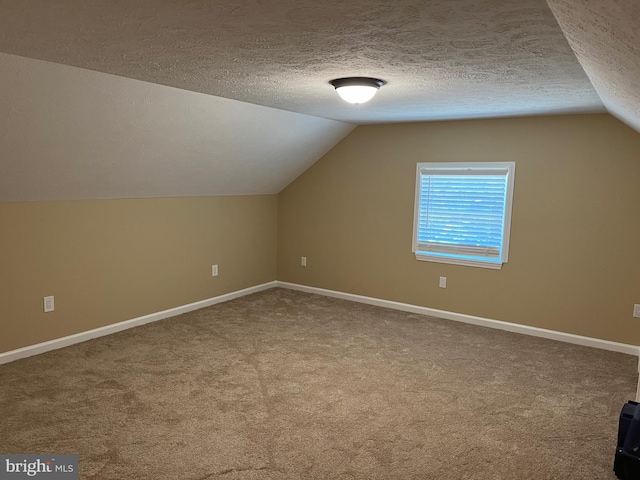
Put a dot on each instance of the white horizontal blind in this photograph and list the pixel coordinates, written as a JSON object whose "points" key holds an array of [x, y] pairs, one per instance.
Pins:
{"points": [[462, 212]]}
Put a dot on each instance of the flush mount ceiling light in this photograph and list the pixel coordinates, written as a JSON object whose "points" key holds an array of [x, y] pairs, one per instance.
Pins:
{"points": [[357, 90]]}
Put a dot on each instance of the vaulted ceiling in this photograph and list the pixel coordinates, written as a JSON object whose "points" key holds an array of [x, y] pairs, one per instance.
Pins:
{"points": [[184, 97]]}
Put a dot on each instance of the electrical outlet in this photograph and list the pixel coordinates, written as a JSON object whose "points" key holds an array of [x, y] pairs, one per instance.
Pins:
{"points": [[303, 261], [443, 282], [636, 310], [49, 305], [214, 270]]}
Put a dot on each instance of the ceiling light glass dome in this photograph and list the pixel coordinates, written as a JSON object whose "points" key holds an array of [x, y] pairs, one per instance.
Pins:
{"points": [[357, 90]]}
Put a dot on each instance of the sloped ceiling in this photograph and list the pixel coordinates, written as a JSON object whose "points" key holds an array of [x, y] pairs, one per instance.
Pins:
{"points": [[69, 133], [605, 36], [251, 106]]}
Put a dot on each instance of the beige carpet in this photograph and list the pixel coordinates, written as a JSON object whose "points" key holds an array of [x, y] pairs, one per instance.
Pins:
{"points": [[287, 385]]}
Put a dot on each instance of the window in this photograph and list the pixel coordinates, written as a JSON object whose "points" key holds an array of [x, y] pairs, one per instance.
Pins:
{"points": [[463, 213]]}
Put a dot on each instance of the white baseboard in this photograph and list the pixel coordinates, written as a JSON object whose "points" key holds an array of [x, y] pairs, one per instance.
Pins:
{"points": [[485, 322], [117, 327], [39, 348]]}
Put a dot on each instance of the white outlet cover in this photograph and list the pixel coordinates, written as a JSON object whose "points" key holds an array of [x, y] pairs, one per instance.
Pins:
{"points": [[636, 310], [214, 270], [49, 305], [443, 282]]}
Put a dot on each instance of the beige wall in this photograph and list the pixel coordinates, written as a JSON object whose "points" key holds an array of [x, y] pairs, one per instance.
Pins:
{"points": [[106, 261], [574, 262]]}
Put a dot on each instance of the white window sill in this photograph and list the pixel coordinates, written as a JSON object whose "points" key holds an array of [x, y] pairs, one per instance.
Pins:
{"points": [[458, 261]]}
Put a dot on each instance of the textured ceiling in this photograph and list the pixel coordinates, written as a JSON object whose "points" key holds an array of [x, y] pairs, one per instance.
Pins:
{"points": [[605, 36], [441, 58], [68, 133]]}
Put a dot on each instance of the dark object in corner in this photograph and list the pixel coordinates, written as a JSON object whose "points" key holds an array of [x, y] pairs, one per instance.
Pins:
{"points": [[627, 461]]}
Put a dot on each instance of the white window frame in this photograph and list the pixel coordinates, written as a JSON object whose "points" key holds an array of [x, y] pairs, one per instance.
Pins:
{"points": [[478, 167]]}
